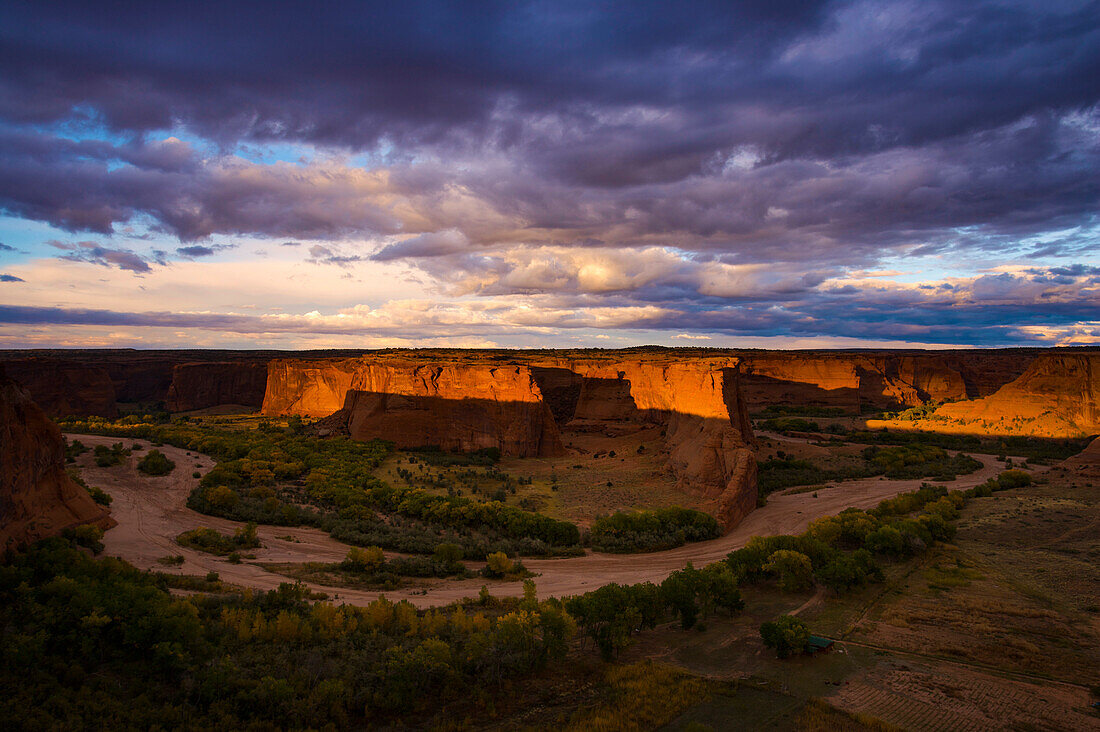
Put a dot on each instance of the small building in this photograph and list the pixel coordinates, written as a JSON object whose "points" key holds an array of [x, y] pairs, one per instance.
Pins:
{"points": [[817, 644]]}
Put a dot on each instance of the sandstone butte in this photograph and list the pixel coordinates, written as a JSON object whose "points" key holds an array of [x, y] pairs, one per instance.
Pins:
{"points": [[1057, 396], [37, 498], [520, 407]]}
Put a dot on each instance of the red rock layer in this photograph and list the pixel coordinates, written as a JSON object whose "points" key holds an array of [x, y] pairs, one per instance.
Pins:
{"points": [[517, 407], [853, 381], [37, 497], [1057, 396], [457, 406]]}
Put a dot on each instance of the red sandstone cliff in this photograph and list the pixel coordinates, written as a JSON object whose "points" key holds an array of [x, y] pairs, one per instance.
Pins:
{"points": [[853, 381], [37, 498], [1057, 396], [457, 406], [519, 407], [213, 383]]}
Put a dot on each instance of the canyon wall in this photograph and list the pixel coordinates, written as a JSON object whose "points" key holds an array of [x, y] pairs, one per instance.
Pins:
{"points": [[218, 383], [519, 406], [1057, 396], [859, 381], [37, 498], [456, 406], [62, 389], [708, 434]]}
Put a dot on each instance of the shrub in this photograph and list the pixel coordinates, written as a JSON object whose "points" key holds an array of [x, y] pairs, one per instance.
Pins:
{"points": [[643, 531], [498, 564], [368, 559], [155, 462]]}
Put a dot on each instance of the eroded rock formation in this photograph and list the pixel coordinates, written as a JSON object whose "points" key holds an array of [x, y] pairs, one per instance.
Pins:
{"points": [[1057, 396], [456, 406], [519, 407], [37, 498], [212, 384], [857, 381]]}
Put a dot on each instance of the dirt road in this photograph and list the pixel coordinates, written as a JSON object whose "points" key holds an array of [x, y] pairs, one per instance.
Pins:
{"points": [[151, 512]]}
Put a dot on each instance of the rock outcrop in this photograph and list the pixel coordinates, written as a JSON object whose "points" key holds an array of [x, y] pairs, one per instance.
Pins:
{"points": [[212, 384], [519, 405], [456, 406], [1057, 396], [64, 389], [708, 435], [859, 381], [37, 498]]}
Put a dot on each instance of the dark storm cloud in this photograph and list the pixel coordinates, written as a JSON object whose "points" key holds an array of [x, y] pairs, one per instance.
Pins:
{"points": [[862, 123], [551, 149], [10, 278]]}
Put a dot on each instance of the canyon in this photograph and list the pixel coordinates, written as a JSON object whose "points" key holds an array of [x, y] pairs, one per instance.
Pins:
{"points": [[537, 404], [38, 499], [1057, 396]]}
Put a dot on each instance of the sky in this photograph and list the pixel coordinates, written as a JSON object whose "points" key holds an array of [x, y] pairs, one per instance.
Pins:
{"points": [[767, 173]]}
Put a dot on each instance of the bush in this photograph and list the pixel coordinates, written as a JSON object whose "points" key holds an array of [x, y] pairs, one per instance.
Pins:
{"points": [[106, 457], [365, 560], [155, 462], [498, 564], [211, 541], [645, 531]]}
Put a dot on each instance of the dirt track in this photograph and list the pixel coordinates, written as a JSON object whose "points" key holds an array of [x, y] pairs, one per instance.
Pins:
{"points": [[151, 512]]}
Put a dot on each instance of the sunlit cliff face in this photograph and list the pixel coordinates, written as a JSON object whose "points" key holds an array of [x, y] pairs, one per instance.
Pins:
{"points": [[788, 174]]}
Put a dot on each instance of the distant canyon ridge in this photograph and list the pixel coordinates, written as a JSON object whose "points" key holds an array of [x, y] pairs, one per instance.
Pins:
{"points": [[521, 402]]}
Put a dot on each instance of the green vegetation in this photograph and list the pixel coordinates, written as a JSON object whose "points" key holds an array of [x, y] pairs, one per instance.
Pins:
{"points": [[787, 425], [271, 475], [74, 449], [367, 568], [98, 495], [786, 634], [99, 643], [792, 410], [214, 542], [610, 615], [1036, 449], [909, 461], [155, 462], [106, 457], [91, 641], [648, 531]]}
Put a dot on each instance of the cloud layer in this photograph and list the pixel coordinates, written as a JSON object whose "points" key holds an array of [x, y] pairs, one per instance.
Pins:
{"points": [[687, 168]]}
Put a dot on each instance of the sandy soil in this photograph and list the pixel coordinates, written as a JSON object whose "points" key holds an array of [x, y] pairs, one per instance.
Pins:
{"points": [[151, 512]]}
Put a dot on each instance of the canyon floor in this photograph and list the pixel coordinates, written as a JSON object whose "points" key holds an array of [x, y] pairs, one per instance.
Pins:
{"points": [[151, 512]]}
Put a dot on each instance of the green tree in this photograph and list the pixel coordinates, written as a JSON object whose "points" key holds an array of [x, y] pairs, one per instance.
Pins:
{"points": [[366, 560], [794, 570], [787, 635]]}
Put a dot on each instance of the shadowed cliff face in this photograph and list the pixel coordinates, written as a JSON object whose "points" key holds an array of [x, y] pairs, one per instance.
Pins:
{"points": [[64, 389], [203, 385], [37, 498]]}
